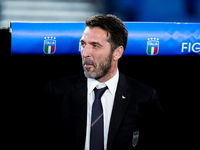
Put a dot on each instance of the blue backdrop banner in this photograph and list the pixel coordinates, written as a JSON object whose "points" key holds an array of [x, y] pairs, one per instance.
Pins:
{"points": [[145, 39]]}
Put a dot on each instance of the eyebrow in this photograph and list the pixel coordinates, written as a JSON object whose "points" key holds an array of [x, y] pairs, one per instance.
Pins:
{"points": [[93, 43], [82, 41]]}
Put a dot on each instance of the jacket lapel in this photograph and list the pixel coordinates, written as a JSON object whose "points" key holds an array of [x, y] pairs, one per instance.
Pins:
{"points": [[79, 99], [121, 101]]}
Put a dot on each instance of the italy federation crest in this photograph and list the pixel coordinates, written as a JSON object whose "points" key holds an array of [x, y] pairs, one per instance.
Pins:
{"points": [[49, 45], [152, 46]]}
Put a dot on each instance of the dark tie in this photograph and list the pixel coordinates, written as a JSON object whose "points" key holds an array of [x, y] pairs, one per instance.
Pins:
{"points": [[97, 132]]}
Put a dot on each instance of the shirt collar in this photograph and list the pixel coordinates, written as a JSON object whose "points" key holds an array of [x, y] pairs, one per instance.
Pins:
{"points": [[111, 84]]}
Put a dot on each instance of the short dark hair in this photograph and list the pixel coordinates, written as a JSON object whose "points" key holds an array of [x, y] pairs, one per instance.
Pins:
{"points": [[113, 25]]}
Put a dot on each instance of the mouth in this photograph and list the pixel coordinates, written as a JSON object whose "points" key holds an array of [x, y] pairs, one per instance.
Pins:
{"points": [[88, 63]]}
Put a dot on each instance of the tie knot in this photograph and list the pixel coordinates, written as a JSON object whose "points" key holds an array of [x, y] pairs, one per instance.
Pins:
{"points": [[99, 92]]}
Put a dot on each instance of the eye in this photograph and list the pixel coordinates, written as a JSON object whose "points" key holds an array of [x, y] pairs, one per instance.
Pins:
{"points": [[81, 45], [96, 45]]}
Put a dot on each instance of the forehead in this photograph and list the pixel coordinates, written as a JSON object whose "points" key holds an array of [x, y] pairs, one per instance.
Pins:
{"points": [[94, 33]]}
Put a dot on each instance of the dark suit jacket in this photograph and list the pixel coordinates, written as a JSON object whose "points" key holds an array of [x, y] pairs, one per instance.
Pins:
{"points": [[138, 111]]}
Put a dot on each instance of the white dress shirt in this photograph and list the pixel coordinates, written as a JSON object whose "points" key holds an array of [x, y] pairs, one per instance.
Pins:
{"points": [[107, 101]]}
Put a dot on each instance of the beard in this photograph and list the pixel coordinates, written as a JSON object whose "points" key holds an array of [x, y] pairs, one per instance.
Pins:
{"points": [[97, 72]]}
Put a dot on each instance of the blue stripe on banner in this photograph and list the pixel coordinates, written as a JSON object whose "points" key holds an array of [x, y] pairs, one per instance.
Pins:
{"points": [[171, 39]]}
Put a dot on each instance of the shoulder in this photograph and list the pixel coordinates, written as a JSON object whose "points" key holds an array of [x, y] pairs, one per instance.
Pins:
{"points": [[66, 80], [144, 95], [66, 83], [138, 87]]}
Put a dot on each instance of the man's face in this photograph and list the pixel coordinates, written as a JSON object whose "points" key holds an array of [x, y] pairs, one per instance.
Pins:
{"points": [[95, 52]]}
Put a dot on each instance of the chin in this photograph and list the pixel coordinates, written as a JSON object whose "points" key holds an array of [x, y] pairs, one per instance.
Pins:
{"points": [[88, 75]]}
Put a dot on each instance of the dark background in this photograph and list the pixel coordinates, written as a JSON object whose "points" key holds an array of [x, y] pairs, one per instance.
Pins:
{"points": [[25, 77]]}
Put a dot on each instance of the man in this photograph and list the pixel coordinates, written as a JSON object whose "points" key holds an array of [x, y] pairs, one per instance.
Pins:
{"points": [[113, 120]]}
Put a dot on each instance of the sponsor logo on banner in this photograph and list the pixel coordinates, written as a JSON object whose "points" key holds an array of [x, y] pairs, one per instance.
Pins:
{"points": [[152, 46], [49, 45]]}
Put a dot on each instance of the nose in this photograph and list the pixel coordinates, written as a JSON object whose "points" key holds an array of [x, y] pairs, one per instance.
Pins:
{"points": [[86, 51]]}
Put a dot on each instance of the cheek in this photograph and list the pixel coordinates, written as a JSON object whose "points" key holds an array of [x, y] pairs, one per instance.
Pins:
{"points": [[82, 54], [103, 59], [98, 59]]}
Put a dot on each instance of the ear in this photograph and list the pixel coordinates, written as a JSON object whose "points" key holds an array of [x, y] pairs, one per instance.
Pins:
{"points": [[118, 53]]}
